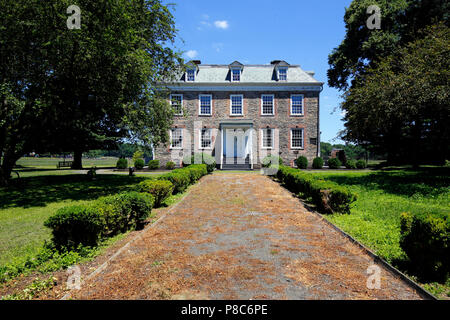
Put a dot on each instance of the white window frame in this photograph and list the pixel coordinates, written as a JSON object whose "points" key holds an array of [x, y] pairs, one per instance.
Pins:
{"points": [[231, 105], [187, 74], [303, 138], [278, 73], [303, 105], [182, 138], [240, 74], [200, 104], [272, 133], [273, 104], [200, 139], [181, 102]]}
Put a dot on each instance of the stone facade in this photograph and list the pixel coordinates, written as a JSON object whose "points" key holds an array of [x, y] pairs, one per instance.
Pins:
{"points": [[282, 122]]}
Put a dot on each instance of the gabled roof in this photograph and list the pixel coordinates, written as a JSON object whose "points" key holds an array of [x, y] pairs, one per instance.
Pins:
{"points": [[236, 64]]}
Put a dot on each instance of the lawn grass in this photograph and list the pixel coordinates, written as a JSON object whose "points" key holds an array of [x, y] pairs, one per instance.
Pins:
{"points": [[50, 163], [29, 201], [382, 196]]}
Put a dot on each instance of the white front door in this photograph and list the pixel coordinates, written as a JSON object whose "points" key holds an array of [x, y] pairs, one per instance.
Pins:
{"points": [[235, 143]]}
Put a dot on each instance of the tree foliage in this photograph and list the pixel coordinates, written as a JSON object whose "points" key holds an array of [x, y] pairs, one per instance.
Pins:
{"points": [[75, 90], [402, 105]]}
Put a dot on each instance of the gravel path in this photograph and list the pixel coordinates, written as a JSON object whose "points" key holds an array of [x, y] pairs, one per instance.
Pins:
{"points": [[241, 236]]}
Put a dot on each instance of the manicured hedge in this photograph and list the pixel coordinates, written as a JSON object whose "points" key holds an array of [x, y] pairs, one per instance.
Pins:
{"points": [[159, 189], [105, 217], [317, 163], [153, 164], [183, 177], [334, 163], [301, 162], [350, 164], [122, 163], [360, 164], [200, 158], [426, 241], [170, 165], [328, 196], [139, 164]]}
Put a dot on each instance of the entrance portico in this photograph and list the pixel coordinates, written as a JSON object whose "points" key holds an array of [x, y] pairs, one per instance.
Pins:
{"points": [[236, 144]]}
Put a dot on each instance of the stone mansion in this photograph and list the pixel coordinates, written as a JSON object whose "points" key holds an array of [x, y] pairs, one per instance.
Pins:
{"points": [[239, 114]]}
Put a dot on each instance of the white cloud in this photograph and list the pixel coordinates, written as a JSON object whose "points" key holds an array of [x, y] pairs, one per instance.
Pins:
{"points": [[221, 24], [191, 54]]}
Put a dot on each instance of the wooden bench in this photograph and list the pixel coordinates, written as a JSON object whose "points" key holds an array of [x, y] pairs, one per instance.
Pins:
{"points": [[64, 164]]}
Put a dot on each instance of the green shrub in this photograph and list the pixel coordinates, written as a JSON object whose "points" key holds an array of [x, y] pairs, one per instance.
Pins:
{"points": [[350, 164], [271, 160], [124, 211], [334, 163], [153, 164], [317, 163], [196, 171], [180, 180], [75, 225], [426, 241], [122, 163], [139, 164], [170, 165], [159, 189], [200, 158], [328, 196], [360, 164], [301, 162]]}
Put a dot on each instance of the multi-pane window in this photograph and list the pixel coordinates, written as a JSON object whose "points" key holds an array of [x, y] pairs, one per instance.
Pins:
{"points": [[236, 104], [267, 138], [205, 105], [176, 139], [205, 139], [296, 138], [282, 74], [176, 100], [267, 104], [297, 104], [236, 74], [190, 74]]}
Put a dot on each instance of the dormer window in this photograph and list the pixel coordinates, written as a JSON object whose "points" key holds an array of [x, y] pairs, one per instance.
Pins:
{"points": [[190, 75], [235, 75], [282, 74]]}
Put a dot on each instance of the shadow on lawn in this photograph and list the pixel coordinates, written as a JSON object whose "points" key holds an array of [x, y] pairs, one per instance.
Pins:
{"points": [[41, 190], [426, 182]]}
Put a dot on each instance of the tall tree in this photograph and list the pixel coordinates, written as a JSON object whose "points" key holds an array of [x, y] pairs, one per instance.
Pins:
{"points": [[402, 105], [79, 89]]}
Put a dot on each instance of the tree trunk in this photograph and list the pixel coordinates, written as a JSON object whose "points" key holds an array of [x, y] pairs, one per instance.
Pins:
{"points": [[9, 160], [77, 161]]}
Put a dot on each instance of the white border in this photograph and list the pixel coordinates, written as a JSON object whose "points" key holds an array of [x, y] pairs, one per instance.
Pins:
{"points": [[262, 138], [303, 105], [303, 139], [273, 105], [200, 139], [177, 94], [200, 104], [231, 105], [182, 139]]}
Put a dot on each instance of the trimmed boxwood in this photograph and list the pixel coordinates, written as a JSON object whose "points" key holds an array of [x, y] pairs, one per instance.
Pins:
{"points": [[350, 164], [159, 189], [139, 164], [104, 217], [328, 196], [425, 239], [360, 164], [170, 165], [153, 164], [122, 163], [317, 163], [179, 179], [200, 158], [75, 225], [334, 163], [301, 162]]}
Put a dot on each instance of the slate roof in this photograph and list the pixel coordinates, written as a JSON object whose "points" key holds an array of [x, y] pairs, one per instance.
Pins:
{"points": [[213, 73]]}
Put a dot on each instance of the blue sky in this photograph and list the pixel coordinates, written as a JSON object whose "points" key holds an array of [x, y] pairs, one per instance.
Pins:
{"points": [[256, 32]]}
